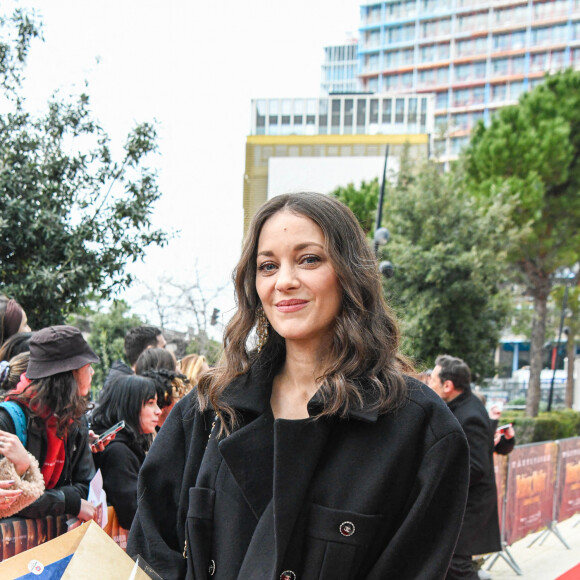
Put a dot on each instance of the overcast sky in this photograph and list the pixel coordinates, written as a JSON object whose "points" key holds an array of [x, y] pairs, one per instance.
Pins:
{"points": [[193, 66]]}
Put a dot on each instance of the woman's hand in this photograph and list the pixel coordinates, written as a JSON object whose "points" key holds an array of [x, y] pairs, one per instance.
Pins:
{"points": [[87, 512], [96, 445], [8, 496], [12, 448]]}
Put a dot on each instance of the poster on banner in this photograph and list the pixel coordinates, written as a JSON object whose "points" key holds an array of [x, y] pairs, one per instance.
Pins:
{"points": [[500, 463], [569, 479], [530, 489]]}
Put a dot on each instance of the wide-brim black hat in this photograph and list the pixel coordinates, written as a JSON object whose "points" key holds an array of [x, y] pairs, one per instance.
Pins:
{"points": [[58, 349]]}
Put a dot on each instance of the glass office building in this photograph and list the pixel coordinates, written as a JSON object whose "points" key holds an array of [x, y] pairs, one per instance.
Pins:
{"points": [[474, 55]]}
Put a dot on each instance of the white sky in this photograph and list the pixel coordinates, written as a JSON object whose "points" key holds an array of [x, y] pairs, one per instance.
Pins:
{"points": [[193, 66]]}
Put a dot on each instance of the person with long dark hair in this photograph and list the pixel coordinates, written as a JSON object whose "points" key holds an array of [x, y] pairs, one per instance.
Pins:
{"points": [[51, 402], [132, 399], [13, 319], [313, 455]]}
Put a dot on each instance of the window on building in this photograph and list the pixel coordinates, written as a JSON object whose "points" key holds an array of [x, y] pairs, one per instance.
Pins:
{"points": [[558, 59], [399, 110], [518, 65], [498, 93], [442, 75], [348, 115], [457, 144], [373, 84], [412, 114], [539, 62], [444, 51], [374, 111], [387, 111], [460, 97], [499, 66], [460, 121], [311, 112], [479, 70], [541, 36], [516, 89], [260, 117], [361, 108], [478, 95], [407, 56], [442, 100], [423, 115], [323, 116], [406, 80], [427, 53], [298, 112], [335, 117], [463, 72], [394, 9]]}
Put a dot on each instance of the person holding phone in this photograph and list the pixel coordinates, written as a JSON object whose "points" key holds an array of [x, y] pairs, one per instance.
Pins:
{"points": [[51, 402], [504, 436], [132, 399]]}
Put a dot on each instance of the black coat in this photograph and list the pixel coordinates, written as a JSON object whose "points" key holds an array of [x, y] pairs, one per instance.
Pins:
{"points": [[367, 496], [480, 531], [78, 470], [120, 463]]}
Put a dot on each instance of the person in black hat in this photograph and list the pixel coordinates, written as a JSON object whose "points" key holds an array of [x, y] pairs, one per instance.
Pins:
{"points": [[51, 399]]}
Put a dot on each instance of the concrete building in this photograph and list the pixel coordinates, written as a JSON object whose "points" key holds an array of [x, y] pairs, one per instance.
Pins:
{"points": [[340, 69], [319, 144], [474, 55]]}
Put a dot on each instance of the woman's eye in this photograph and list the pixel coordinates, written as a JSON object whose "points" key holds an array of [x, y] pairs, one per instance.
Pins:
{"points": [[266, 267], [311, 259]]}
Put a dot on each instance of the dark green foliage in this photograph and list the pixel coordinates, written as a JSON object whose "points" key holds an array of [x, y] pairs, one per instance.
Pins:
{"points": [[72, 215], [449, 258], [545, 427], [362, 201]]}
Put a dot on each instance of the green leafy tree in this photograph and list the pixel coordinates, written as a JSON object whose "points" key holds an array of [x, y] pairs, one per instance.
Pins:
{"points": [[362, 201], [72, 215], [449, 267], [106, 335], [448, 256], [530, 155]]}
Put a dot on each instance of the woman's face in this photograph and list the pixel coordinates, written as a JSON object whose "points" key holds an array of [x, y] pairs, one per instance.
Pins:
{"points": [[295, 278], [149, 416], [83, 377]]}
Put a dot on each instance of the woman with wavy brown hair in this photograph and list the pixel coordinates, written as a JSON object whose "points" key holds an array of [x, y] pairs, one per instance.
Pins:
{"points": [[312, 455]]}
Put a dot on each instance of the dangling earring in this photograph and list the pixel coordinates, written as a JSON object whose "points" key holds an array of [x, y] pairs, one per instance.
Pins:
{"points": [[262, 326]]}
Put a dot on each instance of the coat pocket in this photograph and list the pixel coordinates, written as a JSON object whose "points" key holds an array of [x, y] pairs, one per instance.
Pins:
{"points": [[337, 542], [198, 531]]}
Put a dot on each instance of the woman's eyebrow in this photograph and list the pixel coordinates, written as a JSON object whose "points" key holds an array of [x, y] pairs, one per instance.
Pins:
{"points": [[296, 248]]}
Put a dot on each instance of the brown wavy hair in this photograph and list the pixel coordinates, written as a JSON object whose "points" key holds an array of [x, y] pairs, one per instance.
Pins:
{"points": [[58, 396], [366, 335]]}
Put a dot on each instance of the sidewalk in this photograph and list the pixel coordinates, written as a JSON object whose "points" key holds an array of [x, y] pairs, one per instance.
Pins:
{"points": [[547, 561]]}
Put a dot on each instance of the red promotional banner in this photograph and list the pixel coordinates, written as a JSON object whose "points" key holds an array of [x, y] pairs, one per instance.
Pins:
{"points": [[500, 463], [568, 502], [530, 489]]}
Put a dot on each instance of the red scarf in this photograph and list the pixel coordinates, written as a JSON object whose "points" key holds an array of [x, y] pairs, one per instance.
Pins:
{"points": [[55, 453]]}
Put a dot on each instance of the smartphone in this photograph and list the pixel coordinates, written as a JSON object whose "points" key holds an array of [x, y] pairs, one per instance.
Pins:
{"points": [[114, 429], [503, 428]]}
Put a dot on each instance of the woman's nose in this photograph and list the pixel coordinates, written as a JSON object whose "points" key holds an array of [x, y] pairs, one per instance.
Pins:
{"points": [[286, 278]]}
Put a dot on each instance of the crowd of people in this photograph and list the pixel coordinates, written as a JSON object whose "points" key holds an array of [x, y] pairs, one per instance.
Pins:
{"points": [[312, 450]]}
